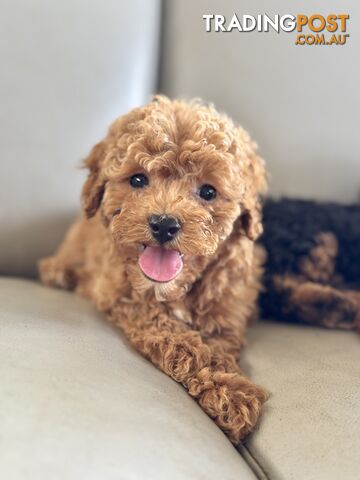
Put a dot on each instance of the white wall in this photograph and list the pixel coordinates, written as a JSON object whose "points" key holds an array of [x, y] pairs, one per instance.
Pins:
{"points": [[302, 104]]}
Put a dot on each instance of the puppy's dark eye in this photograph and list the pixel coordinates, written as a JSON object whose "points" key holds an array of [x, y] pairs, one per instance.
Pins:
{"points": [[139, 180], [207, 192]]}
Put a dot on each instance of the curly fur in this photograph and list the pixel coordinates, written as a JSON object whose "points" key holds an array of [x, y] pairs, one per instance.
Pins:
{"points": [[192, 327], [313, 265]]}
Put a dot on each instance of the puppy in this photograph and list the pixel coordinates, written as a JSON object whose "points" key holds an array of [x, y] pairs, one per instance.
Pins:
{"points": [[312, 273], [166, 248]]}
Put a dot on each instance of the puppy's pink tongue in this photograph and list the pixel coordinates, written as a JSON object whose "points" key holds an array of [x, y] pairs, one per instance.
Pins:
{"points": [[160, 264]]}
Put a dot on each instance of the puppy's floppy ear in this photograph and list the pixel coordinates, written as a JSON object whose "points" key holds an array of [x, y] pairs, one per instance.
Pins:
{"points": [[251, 217], [93, 189], [250, 221]]}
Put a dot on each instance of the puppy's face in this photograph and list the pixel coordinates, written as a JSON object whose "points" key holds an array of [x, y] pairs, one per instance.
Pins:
{"points": [[172, 180]]}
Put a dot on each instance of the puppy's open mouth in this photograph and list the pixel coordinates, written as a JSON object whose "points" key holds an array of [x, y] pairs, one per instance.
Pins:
{"points": [[160, 264]]}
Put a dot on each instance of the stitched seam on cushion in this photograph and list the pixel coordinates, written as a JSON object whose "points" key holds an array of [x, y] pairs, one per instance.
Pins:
{"points": [[253, 463]]}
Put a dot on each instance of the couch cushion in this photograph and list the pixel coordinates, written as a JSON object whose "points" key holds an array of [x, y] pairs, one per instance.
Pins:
{"points": [[310, 428], [263, 81], [77, 402], [67, 70]]}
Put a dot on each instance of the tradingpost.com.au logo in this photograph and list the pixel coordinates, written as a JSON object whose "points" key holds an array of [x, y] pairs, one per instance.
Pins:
{"points": [[314, 29]]}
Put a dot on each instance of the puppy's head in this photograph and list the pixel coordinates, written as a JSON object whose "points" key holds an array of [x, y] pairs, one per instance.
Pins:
{"points": [[173, 181]]}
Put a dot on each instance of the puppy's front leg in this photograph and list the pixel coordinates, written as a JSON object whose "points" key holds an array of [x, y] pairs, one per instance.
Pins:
{"points": [[216, 383]]}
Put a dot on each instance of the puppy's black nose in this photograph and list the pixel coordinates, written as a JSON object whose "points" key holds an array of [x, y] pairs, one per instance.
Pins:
{"points": [[163, 227]]}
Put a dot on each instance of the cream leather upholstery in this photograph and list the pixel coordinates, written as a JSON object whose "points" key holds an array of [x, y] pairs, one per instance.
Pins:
{"points": [[68, 69], [77, 402], [281, 93], [311, 425]]}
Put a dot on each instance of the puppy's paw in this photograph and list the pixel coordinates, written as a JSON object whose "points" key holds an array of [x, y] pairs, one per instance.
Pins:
{"points": [[233, 402], [54, 274]]}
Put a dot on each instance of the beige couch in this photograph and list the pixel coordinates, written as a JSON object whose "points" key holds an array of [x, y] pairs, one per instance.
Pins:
{"points": [[75, 400]]}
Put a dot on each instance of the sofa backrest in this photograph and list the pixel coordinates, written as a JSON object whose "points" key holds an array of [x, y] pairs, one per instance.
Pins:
{"points": [[301, 103], [68, 69]]}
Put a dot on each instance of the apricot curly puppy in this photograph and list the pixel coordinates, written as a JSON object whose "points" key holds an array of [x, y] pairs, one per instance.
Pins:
{"points": [[166, 248]]}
